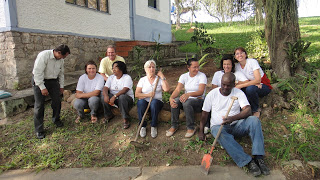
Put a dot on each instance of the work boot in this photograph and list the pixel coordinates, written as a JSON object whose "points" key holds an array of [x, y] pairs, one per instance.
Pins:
{"points": [[263, 168], [254, 168]]}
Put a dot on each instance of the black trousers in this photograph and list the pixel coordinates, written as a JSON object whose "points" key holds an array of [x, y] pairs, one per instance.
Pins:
{"points": [[53, 88]]}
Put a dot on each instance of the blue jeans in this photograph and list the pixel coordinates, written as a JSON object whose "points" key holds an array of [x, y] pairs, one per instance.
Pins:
{"points": [[253, 93], [92, 103], [250, 126], [189, 107], [155, 108]]}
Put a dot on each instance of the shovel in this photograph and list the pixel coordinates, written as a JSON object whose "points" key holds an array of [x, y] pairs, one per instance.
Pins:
{"points": [[207, 158], [134, 142]]}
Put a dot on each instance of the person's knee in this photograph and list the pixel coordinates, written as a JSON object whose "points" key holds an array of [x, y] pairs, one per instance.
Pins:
{"points": [[77, 104], [251, 89], [254, 121]]}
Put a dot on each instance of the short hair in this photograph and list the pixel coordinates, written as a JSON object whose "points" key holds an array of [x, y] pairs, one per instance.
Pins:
{"points": [[227, 57], [112, 46], [231, 76], [241, 49], [148, 63], [190, 61], [89, 63], [64, 49], [122, 66]]}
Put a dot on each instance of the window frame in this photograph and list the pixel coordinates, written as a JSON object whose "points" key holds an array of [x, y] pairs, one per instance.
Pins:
{"points": [[74, 2], [155, 3]]}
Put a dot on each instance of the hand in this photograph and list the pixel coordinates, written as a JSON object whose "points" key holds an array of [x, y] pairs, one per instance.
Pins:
{"points": [[61, 90], [184, 98], [238, 86], [44, 92], [106, 99], [151, 94], [160, 74], [227, 120], [173, 103], [111, 102], [259, 86], [201, 136]]}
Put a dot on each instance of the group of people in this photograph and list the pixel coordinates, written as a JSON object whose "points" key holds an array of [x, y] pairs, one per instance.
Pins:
{"points": [[113, 87]]}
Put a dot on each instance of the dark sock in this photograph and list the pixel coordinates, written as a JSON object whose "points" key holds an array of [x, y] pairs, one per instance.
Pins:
{"points": [[256, 157]]}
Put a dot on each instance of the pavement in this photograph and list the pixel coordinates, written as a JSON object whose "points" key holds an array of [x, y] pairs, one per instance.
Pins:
{"points": [[139, 173]]}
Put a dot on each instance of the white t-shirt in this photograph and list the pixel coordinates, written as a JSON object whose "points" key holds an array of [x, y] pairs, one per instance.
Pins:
{"points": [[115, 85], [148, 88], [219, 104], [87, 85], [191, 84], [216, 80], [251, 65]]}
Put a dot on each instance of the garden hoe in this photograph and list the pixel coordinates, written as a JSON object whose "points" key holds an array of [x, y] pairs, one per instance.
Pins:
{"points": [[134, 142], [207, 158]]}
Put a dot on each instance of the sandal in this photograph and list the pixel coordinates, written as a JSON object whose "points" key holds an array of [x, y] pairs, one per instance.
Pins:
{"points": [[94, 119], [126, 124], [77, 120]]}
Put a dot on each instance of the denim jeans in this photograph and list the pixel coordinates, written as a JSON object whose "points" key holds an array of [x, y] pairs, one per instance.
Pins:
{"points": [[92, 103], [53, 88], [253, 93], [124, 102], [155, 108], [250, 126], [189, 107]]}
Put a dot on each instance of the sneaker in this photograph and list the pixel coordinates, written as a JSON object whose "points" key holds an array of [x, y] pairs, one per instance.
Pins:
{"points": [[263, 168], [154, 132], [143, 132], [254, 168], [171, 131], [206, 130], [190, 133]]}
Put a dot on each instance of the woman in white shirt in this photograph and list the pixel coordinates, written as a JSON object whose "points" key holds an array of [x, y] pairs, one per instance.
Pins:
{"points": [[144, 92], [227, 65], [258, 85], [88, 91], [194, 83], [118, 91]]}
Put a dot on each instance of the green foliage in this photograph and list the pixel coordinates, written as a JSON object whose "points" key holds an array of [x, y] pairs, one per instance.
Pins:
{"points": [[201, 37], [137, 65], [258, 47], [295, 52], [157, 57]]}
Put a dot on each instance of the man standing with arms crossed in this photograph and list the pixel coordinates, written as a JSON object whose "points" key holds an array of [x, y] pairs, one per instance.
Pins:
{"points": [[48, 79], [105, 68], [239, 123]]}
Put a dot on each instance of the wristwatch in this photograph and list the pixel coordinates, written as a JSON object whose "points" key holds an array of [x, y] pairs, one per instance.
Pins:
{"points": [[115, 96], [164, 79]]}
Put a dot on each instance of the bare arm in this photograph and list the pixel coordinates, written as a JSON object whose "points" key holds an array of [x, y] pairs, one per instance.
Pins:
{"points": [[185, 96], [80, 94], [175, 94], [140, 95], [214, 86], [244, 113], [165, 84], [204, 118], [256, 81]]}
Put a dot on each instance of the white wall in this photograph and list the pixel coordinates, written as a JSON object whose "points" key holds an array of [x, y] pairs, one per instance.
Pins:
{"points": [[162, 13], [2, 16], [56, 15]]}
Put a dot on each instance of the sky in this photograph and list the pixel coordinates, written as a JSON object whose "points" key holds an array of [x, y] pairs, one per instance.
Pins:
{"points": [[306, 8]]}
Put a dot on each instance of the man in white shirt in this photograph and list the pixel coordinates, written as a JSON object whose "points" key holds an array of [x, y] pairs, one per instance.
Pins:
{"points": [[105, 68], [239, 123], [48, 79]]}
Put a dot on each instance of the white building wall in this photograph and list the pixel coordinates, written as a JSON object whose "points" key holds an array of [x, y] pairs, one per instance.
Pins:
{"points": [[2, 15], [162, 13], [57, 15]]}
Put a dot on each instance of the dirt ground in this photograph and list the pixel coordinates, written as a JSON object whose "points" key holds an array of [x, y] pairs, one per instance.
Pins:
{"points": [[162, 151]]}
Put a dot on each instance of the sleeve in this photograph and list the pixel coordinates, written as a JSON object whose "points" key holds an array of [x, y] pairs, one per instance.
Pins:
{"points": [[38, 72], [81, 84], [140, 83], [61, 74], [243, 101], [108, 83], [254, 64], [207, 104], [102, 67], [128, 82], [182, 79], [203, 79], [215, 78], [100, 82]]}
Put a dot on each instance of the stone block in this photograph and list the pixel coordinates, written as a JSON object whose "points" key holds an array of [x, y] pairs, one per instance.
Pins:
{"points": [[19, 53], [2, 37], [71, 98], [26, 38], [66, 94], [11, 107]]}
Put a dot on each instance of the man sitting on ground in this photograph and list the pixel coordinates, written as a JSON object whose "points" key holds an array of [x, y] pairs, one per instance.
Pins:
{"points": [[237, 124]]}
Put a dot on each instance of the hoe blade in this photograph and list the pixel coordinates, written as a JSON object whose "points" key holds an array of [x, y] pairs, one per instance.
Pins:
{"points": [[205, 164]]}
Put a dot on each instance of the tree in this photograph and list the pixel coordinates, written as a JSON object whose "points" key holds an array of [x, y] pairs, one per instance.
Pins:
{"points": [[281, 28], [181, 8]]}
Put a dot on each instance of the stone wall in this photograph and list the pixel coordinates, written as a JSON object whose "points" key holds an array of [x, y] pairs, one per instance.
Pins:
{"points": [[18, 51]]}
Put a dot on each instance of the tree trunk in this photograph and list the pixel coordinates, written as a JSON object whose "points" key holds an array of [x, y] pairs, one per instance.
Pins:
{"points": [[281, 26], [177, 3]]}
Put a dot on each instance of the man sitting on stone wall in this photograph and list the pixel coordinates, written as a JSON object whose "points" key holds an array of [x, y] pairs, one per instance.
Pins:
{"points": [[105, 68]]}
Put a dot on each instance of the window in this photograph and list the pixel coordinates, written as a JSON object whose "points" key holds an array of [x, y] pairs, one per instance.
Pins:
{"points": [[99, 5], [152, 3]]}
